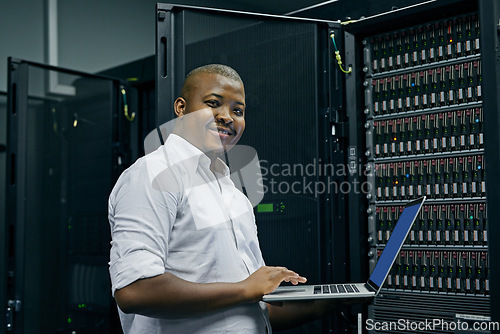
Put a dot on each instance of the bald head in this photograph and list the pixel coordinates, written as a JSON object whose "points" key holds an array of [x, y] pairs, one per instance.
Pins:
{"points": [[223, 70]]}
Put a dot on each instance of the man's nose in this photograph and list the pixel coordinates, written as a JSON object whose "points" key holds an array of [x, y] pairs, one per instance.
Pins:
{"points": [[223, 115]]}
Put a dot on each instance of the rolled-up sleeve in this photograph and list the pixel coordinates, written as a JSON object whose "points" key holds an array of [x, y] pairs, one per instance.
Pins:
{"points": [[141, 216]]}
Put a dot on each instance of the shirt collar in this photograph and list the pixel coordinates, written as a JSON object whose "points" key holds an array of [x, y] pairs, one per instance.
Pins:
{"points": [[180, 151]]}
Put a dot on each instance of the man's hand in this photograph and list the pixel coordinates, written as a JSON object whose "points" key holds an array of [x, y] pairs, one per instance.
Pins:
{"points": [[266, 279]]}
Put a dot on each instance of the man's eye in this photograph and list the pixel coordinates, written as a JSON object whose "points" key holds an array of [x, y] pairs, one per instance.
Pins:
{"points": [[238, 112], [213, 103]]}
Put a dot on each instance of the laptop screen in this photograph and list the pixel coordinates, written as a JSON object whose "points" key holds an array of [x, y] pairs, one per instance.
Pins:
{"points": [[393, 246]]}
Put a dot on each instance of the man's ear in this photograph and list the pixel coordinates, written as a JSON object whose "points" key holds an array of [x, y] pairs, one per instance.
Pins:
{"points": [[180, 106]]}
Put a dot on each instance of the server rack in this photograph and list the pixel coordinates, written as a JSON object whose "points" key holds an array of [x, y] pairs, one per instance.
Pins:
{"points": [[64, 151], [419, 94], [286, 67], [3, 165]]}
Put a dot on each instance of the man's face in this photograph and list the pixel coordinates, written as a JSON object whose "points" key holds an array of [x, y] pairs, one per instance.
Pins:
{"points": [[212, 114]]}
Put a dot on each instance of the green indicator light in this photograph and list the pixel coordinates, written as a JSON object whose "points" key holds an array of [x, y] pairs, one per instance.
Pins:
{"points": [[267, 207], [70, 320], [471, 217]]}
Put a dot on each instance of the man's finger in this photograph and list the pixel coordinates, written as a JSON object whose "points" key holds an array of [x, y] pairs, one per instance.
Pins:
{"points": [[295, 279], [291, 276]]}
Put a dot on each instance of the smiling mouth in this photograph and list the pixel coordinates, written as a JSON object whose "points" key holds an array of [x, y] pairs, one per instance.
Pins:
{"points": [[221, 133], [224, 131]]}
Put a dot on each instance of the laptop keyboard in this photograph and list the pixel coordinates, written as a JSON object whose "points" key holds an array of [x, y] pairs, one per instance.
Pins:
{"points": [[335, 288]]}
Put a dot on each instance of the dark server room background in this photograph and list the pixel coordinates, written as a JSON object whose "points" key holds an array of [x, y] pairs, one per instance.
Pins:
{"points": [[83, 84]]}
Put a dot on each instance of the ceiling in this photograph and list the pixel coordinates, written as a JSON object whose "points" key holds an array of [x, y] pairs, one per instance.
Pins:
{"points": [[278, 6], [326, 9]]}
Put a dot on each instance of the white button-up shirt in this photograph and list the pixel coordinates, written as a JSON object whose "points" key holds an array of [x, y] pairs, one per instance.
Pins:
{"points": [[169, 213]]}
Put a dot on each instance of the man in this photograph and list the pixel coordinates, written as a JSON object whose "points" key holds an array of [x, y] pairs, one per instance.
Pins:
{"points": [[185, 256]]}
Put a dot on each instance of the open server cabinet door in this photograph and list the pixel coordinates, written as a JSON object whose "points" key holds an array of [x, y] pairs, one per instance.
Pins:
{"points": [[3, 231], [63, 157], [423, 108], [292, 96]]}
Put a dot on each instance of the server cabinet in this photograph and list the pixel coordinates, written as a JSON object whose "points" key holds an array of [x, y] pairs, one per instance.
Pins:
{"points": [[3, 166], [422, 104], [63, 154], [291, 95]]}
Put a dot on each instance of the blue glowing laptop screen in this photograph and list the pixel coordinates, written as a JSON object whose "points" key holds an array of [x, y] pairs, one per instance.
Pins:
{"points": [[394, 244]]}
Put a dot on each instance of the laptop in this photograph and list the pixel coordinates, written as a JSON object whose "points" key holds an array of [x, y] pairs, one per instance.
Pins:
{"points": [[357, 290]]}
